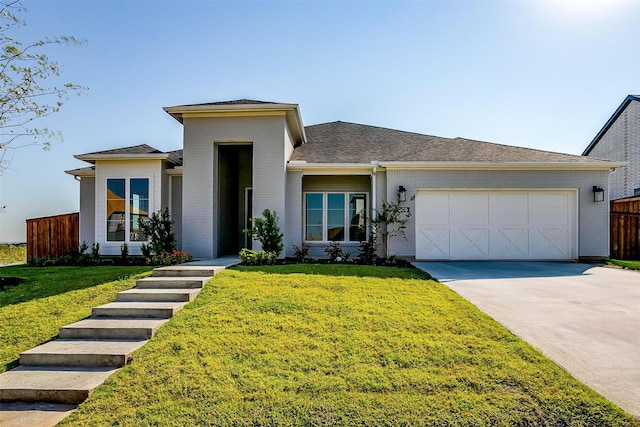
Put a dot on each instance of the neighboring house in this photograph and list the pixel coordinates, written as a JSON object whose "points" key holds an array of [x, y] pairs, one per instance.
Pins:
{"points": [[468, 199], [619, 139]]}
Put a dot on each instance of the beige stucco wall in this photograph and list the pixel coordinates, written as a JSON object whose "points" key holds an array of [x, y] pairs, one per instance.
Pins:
{"points": [[593, 218], [622, 142]]}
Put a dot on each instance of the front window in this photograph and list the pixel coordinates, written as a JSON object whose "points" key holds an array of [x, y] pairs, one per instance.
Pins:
{"points": [[123, 219], [335, 217]]}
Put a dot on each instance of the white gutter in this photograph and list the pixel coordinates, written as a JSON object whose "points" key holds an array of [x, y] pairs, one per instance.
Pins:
{"points": [[94, 157], [329, 168], [611, 165]]}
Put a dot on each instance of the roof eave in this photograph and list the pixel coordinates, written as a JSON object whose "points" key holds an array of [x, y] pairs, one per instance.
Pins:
{"points": [[604, 165], [609, 123], [329, 168], [88, 172], [92, 158], [292, 113]]}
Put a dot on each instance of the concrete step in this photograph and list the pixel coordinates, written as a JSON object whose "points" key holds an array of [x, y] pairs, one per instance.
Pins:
{"points": [[51, 384], [171, 282], [81, 353], [158, 295], [187, 271], [112, 329], [155, 310], [33, 414]]}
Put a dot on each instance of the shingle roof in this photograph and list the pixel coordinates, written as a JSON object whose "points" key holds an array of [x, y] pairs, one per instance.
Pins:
{"points": [[176, 154], [141, 149], [232, 102], [134, 149], [343, 142]]}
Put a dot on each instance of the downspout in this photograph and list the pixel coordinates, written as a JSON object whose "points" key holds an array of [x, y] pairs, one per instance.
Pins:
{"points": [[374, 184], [374, 169]]}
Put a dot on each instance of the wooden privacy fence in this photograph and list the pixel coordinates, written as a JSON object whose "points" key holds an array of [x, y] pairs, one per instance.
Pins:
{"points": [[625, 228], [52, 236]]}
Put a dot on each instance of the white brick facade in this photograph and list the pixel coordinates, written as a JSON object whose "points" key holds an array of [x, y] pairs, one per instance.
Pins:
{"points": [[621, 142]]}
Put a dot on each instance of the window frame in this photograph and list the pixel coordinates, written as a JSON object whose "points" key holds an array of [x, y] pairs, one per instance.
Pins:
{"points": [[325, 211], [127, 209]]}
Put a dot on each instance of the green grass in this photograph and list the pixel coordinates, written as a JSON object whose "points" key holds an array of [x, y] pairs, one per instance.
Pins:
{"points": [[276, 347], [631, 265], [50, 297], [10, 254]]}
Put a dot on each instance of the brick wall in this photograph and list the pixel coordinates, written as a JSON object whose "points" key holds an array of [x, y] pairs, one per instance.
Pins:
{"points": [[622, 142]]}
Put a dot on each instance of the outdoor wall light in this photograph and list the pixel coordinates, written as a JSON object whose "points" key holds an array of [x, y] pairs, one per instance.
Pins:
{"points": [[402, 194], [598, 194]]}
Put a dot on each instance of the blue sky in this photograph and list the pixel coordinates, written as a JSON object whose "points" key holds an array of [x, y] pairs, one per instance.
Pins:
{"points": [[540, 74]]}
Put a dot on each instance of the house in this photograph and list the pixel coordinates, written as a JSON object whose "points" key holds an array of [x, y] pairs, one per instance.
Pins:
{"points": [[619, 139], [468, 200]]}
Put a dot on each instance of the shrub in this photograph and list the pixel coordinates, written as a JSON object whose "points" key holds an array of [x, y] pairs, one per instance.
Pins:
{"points": [[146, 250], [266, 231], [251, 257], [95, 250], [301, 253], [124, 252], [368, 252], [158, 230], [335, 253], [169, 258]]}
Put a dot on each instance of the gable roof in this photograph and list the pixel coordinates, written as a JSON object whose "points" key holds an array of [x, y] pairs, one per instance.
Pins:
{"points": [[343, 142], [141, 151], [610, 122]]}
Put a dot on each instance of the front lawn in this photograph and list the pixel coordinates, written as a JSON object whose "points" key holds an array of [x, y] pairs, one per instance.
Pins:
{"points": [[631, 265], [50, 297], [342, 346]]}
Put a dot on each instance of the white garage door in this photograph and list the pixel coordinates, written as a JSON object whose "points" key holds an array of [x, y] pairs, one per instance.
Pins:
{"points": [[496, 224]]}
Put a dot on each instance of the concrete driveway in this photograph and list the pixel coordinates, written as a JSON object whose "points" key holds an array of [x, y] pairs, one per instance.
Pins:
{"points": [[584, 318]]}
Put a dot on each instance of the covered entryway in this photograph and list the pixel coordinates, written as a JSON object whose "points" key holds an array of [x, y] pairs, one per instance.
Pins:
{"points": [[496, 224], [234, 196]]}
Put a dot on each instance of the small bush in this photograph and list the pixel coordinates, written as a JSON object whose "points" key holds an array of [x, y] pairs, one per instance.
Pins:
{"points": [[368, 252], [335, 253], [170, 258], [146, 250], [301, 253], [124, 252], [158, 230], [251, 257], [267, 232], [95, 250]]}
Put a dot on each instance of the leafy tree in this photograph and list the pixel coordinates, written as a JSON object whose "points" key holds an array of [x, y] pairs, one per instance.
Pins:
{"points": [[25, 90], [389, 221], [267, 232]]}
